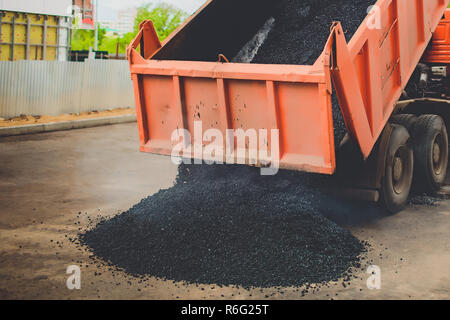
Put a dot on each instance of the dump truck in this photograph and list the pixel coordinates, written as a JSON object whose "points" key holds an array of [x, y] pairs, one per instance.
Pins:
{"points": [[391, 82]]}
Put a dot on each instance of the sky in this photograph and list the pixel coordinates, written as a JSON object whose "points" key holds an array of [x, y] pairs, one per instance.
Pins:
{"points": [[108, 8]]}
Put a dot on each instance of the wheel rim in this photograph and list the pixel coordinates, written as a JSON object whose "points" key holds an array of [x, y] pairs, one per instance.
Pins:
{"points": [[438, 156], [400, 170]]}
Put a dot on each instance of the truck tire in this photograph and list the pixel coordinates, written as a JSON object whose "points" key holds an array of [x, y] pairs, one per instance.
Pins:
{"points": [[399, 169], [406, 120], [431, 153]]}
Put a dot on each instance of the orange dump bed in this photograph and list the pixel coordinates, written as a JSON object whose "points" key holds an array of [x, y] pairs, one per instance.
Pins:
{"points": [[369, 74]]}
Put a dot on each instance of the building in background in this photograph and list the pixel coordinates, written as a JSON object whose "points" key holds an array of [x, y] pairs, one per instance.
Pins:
{"points": [[84, 11], [109, 25], [124, 23], [35, 30]]}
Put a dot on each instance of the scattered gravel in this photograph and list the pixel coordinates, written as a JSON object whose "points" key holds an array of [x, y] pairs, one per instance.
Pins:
{"points": [[424, 200], [228, 225]]}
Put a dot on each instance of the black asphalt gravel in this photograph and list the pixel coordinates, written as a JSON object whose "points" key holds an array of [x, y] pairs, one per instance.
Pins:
{"points": [[302, 28], [228, 225]]}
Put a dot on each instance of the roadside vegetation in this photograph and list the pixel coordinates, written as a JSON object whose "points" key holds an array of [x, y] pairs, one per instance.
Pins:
{"points": [[165, 17]]}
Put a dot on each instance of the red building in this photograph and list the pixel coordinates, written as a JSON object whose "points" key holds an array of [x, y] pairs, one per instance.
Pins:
{"points": [[85, 8]]}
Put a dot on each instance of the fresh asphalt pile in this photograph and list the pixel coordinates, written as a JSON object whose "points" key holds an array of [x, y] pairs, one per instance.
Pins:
{"points": [[228, 225], [301, 30]]}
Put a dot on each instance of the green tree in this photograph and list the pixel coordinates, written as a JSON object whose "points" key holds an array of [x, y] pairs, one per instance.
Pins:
{"points": [[84, 39], [166, 18], [110, 43]]}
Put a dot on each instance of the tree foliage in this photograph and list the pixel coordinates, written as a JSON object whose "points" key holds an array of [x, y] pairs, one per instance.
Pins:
{"points": [[166, 18], [110, 43], [84, 39]]}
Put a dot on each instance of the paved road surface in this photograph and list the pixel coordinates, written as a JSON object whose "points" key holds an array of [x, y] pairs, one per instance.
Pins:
{"points": [[47, 179]]}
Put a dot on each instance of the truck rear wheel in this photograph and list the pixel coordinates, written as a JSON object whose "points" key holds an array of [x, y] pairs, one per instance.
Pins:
{"points": [[431, 152], [406, 120], [398, 175]]}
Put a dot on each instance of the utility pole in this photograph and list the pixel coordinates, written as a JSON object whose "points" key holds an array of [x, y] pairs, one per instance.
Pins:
{"points": [[96, 25]]}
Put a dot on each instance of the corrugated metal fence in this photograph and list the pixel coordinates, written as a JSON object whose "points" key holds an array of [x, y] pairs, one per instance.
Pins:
{"points": [[57, 87]]}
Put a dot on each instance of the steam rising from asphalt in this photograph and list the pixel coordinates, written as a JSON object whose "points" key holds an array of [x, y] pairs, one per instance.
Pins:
{"points": [[249, 51]]}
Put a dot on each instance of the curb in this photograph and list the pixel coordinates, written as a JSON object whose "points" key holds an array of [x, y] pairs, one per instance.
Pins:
{"points": [[66, 125]]}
